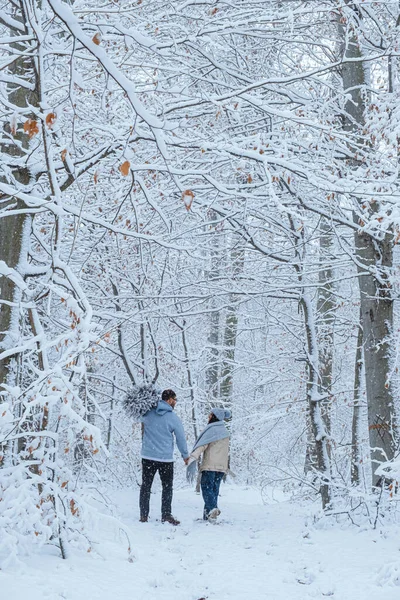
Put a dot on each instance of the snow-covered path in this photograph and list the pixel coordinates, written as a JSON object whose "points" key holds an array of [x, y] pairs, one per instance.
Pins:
{"points": [[256, 552]]}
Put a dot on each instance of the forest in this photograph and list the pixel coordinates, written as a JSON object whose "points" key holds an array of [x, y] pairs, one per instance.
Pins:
{"points": [[201, 195]]}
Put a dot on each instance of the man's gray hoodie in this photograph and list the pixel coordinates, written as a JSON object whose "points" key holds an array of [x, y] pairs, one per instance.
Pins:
{"points": [[160, 424]]}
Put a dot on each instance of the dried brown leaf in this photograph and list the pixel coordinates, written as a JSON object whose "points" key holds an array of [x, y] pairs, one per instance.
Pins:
{"points": [[31, 127], [187, 197], [96, 39], [51, 119], [124, 168]]}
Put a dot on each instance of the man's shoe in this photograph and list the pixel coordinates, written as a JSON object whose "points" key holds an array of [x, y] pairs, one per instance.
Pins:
{"points": [[143, 519], [213, 514], [170, 519]]}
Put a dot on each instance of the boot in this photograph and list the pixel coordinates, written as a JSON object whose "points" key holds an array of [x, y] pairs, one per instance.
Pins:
{"points": [[170, 519], [213, 514]]}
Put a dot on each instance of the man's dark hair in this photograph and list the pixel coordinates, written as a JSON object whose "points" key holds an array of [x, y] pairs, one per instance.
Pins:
{"points": [[167, 394]]}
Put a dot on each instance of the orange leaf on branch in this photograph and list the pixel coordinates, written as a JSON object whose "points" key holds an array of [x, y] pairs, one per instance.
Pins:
{"points": [[31, 127], [96, 39], [124, 168], [73, 507], [187, 197], [50, 120]]}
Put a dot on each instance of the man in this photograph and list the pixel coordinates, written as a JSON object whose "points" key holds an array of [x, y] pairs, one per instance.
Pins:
{"points": [[159, 425]]}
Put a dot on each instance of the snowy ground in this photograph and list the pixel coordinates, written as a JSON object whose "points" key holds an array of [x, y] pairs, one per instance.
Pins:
{"points": [[256, 552]]}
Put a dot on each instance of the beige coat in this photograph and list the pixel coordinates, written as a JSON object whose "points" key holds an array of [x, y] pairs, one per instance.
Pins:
{"points": [[215, 458]]}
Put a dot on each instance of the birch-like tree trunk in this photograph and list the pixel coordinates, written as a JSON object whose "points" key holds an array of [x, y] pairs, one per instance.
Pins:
{"points": [[356, 422], [317, 454], [214, 332], [326, 317], [319, 433], [230, 329], [189, 374]]}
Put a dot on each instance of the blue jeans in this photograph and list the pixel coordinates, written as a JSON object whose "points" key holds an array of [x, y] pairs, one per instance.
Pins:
{"points": [[210, 482]]}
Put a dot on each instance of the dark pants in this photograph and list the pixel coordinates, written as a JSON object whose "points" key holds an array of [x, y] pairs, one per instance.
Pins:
{"points": [[210, 482], [166, 472]]}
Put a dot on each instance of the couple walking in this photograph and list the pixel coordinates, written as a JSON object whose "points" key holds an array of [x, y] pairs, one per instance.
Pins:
{"points": [[159, 425]]}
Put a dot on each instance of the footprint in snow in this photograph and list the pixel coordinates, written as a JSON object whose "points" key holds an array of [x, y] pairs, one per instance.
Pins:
{"points": [[306, 578]]}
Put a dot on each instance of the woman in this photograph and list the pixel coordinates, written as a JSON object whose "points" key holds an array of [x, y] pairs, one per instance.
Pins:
{"points": [[213, 443]]}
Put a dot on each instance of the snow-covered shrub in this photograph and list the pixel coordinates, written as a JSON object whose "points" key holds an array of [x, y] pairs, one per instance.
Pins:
{"points": [[140, 399]]}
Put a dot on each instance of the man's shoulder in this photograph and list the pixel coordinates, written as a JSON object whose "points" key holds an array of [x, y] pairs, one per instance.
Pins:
{"points": [[173, 418], [148, 415]]}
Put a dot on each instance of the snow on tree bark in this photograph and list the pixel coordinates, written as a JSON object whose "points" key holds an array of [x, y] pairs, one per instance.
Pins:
{"points": [[374, 255]]}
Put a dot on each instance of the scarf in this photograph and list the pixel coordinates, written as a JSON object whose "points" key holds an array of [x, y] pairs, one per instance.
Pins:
{"points": [[212, 433]]}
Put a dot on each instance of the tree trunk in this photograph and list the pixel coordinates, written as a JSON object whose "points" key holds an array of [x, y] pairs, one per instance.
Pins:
{"points": [[325, 323], [374, 262], [356, 423], [314, 404], [121, 341], [230, 331], [189, 375], [15, 229], [377, 323], [214, 334], [326, 316]]}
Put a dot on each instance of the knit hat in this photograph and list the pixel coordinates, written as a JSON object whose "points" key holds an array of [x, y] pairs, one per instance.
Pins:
{"points": [[221, 413]]}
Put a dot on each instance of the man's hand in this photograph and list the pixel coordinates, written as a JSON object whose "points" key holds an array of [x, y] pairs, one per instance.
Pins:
{"points": [[186, 461]]}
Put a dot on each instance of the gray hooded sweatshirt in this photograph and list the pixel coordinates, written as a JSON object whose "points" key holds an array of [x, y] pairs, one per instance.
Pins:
{"points": [[161, 424]]}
